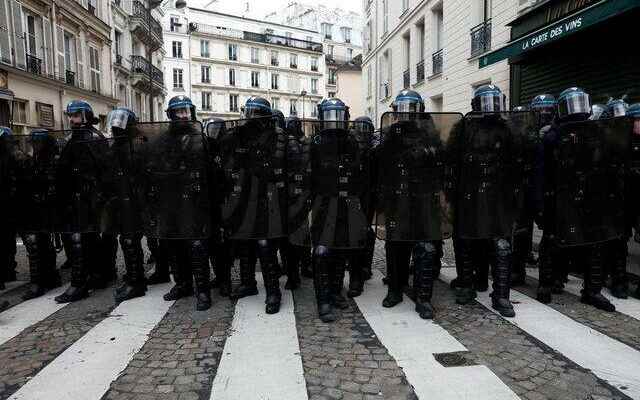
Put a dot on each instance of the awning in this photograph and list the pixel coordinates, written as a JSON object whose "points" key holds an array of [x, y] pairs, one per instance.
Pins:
{"points": [[573, 23]]}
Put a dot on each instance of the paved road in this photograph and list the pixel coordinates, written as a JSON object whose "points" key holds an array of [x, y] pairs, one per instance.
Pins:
{"points": [[151, 349]]}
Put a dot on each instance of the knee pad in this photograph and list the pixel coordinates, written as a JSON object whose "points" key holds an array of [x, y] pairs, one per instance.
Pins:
{"points": [[321, 251], [263, 243], [503, 247]]}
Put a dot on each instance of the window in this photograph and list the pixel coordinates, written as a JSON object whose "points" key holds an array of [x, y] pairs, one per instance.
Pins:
{"points": [[486, 10], [233, 103], [332, 77], [293, 107], [314, 64], [174, 24], [94, 65], [206, 101], [177, 49], [255, 55], [274, 58], [32, 47], [346, 34], [385, 16], [274, 81], [314, 86], [314, 112], [205, 72], [233, 52], [349, 54], [275, 103], [232, 77], [255, 79], [69, 52], [177, 78], [326, 30], [330, 50], [20, 111], [369, 81], [438, 30], [204, 48], [331, 94], [293, 61], [118, 40]]}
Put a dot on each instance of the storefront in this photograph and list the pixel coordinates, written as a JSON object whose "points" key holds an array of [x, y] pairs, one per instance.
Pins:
{"points": [[564, 43]]}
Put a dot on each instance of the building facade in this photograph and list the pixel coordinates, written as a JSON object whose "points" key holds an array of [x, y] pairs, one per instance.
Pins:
{"points": [[340, 30], [51, 52], [137, 53], [349, 86], [433, 47], [220, 60]]}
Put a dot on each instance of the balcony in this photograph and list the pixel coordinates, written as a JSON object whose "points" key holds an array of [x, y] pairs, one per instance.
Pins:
{"points": [[275, 62], [338, 60], [481, 38], [436, 59], [146, 28], [34, 64], [266, 38], [406, 75], [420, 72], [70, 78], [145, 76]]}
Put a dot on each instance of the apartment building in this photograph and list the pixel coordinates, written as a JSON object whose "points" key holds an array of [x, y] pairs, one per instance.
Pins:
{"points": [[137, 53], [51, 52], [220, 60], [433, 47], [340, 30]]}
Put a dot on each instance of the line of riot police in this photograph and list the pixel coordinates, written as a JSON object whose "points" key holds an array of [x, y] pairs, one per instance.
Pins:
{"points": [[320, 191]]}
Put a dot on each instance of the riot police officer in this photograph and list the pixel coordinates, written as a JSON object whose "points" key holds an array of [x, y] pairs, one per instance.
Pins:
{"points": [[633, 182], [191, 255], [565, 198], [7, 234], [81, 245], [339, 227], [485, 170], [412, 175], [121, 123]]}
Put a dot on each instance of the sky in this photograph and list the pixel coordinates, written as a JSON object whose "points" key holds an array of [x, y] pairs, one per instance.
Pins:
{"points": [[259, 8]]}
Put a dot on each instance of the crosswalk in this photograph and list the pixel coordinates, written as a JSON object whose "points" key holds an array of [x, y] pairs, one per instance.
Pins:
{"points": [[262, 358]]}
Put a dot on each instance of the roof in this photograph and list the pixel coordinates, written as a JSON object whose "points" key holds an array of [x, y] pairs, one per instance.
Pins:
{"points": [[250, 19]]}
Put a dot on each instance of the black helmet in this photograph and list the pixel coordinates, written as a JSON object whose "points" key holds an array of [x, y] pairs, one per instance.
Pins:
{"points": [[333, 113], [279, 116], [546, 105], [617, 108], [364, 125], [215, 128], [256, 107], [408, 101], [84, 109], [118, 120], [488, 98], [574, 102], [294, 127], [178, 103]]}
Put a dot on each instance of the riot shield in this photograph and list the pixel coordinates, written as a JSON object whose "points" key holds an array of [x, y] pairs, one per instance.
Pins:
{"points": [[340, 175], [171, 171], [591, 162], [253, 154], [299, 184], [29, 186], [81, 184], [413, 176], [490, 153]]}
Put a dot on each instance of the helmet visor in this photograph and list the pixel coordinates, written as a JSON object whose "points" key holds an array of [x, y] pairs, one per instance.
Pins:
{"points": [[76, 118], [597, 112], [407, 106], [215, 129], [183, 113], [574, 103], [491, 102], [334, 119], [618, 109], [254, 112], [117, 119]]}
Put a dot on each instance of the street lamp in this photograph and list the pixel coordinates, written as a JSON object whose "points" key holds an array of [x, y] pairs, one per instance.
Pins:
{"points": [[303, 94]]}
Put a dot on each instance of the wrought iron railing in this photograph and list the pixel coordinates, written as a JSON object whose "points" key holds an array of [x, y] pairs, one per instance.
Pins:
{"points": [[70, 77], [437, 62], [420, 71], [275, 62], [119, 59], [34, 64], [481, 38], [141, 65], [385, 90], [333, 59], [142, 13], [407, 78]]}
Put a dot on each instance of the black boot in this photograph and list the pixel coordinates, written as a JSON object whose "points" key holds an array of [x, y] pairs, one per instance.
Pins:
{"points": [[337, 284], [36, 267], [619, 278], [594, 280], [134, 285], [356, 280], [178, 291], [598, 301], [465, 292], [181, 273], [201, 272], [543, 294], [322, 285], [502, 264], [248, 286], [394, 284], [271, 276], [546, 281], [293, 254], [306, 269], [425, 256], [79, 288]]}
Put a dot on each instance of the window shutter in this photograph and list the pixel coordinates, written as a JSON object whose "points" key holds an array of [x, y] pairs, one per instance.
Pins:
{"points": [[19, 44], [61, 66], [47, 46], [80, 52], [5, 44]]}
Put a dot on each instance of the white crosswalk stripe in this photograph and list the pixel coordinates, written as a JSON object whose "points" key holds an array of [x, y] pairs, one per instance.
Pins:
{"points": [[18, 318], [630, 306], [86, 369], [413, 341], [261, 358], [607, 358]]}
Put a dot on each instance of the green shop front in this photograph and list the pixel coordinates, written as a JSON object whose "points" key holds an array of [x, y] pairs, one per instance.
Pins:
{"points": [[593, 44]]}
